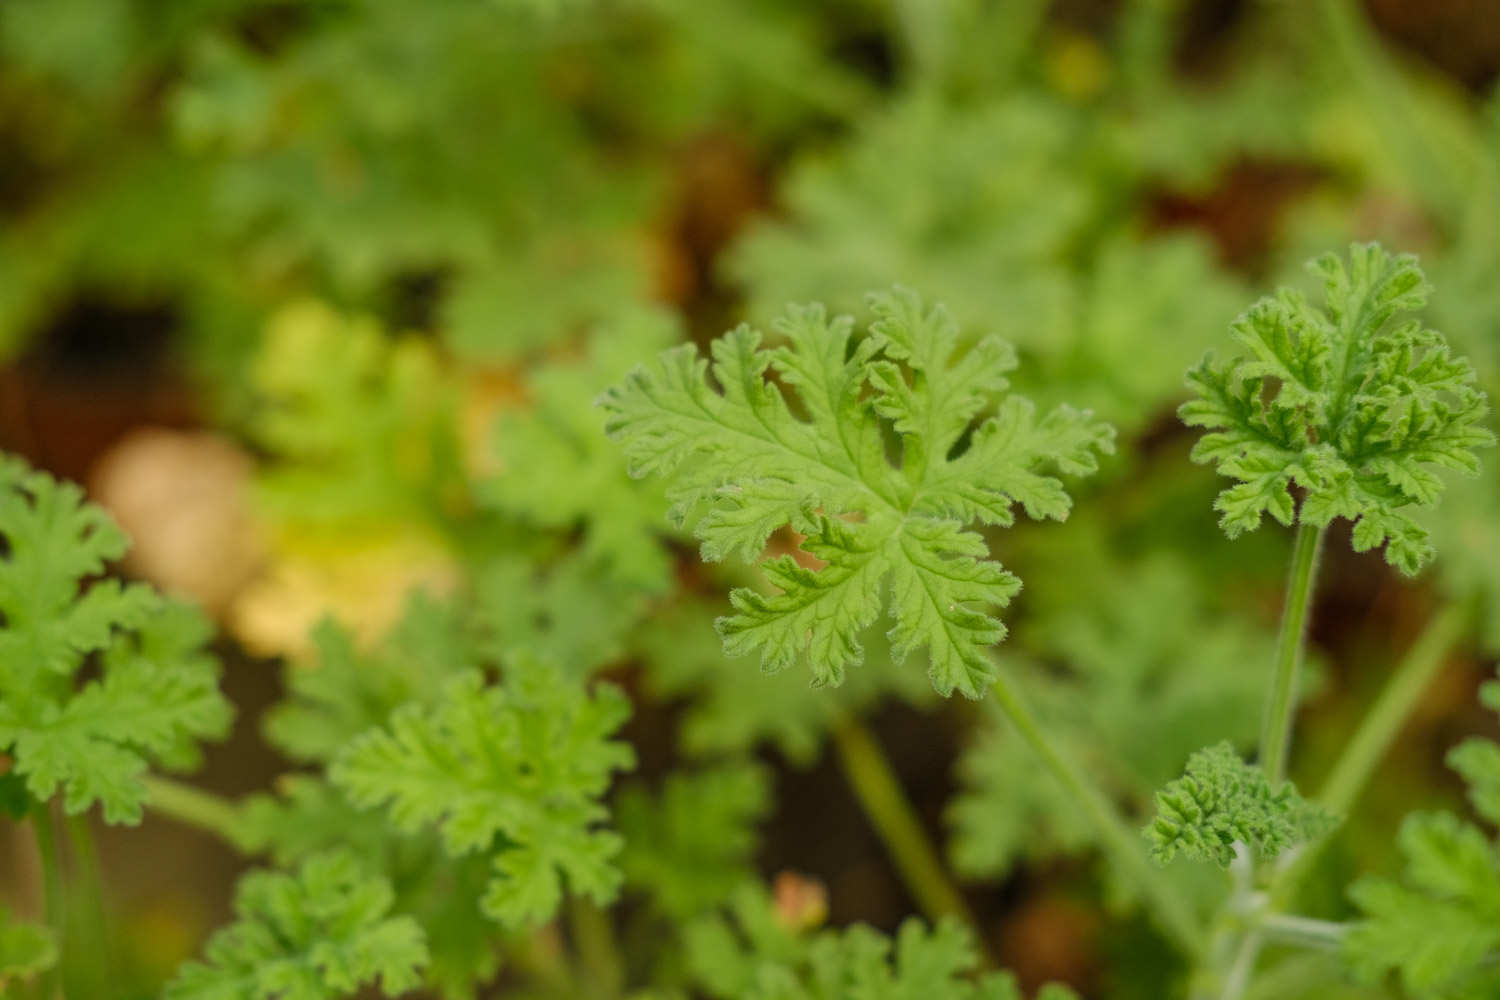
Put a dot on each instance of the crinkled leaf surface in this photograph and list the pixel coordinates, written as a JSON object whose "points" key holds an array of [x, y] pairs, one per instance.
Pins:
{"points": [[1220, 801], [1354, 402], [744, 463]]}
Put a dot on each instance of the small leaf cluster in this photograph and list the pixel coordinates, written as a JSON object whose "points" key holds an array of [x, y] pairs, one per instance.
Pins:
{"points": [[744, 464], [1221, 801], [1354, 404]]}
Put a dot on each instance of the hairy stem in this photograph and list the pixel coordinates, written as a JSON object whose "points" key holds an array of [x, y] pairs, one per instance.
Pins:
{"points": [[1121, 842], [896, 822], [1276, 732], [1242, 969], [1304, 932], [196, 808]]}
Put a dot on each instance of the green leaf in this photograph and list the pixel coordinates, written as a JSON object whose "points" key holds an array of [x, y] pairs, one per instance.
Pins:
{"points": [[515, 771], [736, 711], [559, 472], [1438, 928], [308, 816], [1221, 801], [346, 691], [743, 464], [157, 691], [324, 931], [25, 950], [756, 957], [1357, 407], [1133, 666], [691, 845]]}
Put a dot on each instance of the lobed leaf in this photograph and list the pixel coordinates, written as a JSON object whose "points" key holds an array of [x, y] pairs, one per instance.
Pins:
{"points": [[744, 463], [321, 932], [1357, 409], [515, 771]]}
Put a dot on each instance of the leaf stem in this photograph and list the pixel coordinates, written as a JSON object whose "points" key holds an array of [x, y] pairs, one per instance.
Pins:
{"points": [[54, 891], [1121, 842], [889, 810], [594, 938], [1377, 730], [1305, 932], [1381, 724], [89, 916], [196, 808], [1276, 732]]}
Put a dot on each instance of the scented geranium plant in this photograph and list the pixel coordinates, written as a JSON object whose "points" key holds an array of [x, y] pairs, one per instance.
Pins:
{"points": [[465, 820]]}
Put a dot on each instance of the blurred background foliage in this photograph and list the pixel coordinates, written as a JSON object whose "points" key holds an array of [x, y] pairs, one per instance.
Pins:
{"points": [[316, 295]]}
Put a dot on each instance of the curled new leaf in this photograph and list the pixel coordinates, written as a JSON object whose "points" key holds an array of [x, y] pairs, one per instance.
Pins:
{"points": [[1357, 406], [744, 462], [1221, 801]]}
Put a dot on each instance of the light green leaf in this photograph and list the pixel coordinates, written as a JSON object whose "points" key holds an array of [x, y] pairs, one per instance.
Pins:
{"points": [[879, 536]]}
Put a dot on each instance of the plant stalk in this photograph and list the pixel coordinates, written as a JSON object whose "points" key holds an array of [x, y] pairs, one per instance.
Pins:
{"points": [[896, 822], [89, 917], [1377, 730], [1381, 724], [197, 808], [594, 938], [1276, 732], [1121, 842], [54, 892]]}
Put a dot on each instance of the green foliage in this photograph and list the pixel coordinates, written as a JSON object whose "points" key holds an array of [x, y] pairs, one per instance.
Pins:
{"points": [[360, 427], [735, 711], [1354, 408], [322, 932], [916, 198], [515, 771], [1438, 928], [25, 950], [744, 465], [560, 472], [757, 957], [346, 690], [1220, 801], [157, 692], [1133, 668], [690, 846]]}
